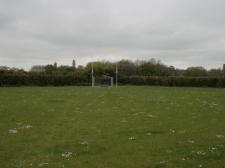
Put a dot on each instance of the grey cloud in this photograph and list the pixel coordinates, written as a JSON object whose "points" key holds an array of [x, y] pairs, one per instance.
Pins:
{"points": [[179, 32]]}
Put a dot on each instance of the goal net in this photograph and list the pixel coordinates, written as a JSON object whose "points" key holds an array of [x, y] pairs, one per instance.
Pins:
{"points": [[104, 81]]}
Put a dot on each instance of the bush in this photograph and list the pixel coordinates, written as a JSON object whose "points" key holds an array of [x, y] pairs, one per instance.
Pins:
{"points": [[173, 81], [63, 80], [42, 80]]}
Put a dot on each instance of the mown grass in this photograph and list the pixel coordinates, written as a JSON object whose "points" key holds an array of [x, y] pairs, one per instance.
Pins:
{"points": [[127, 127]]}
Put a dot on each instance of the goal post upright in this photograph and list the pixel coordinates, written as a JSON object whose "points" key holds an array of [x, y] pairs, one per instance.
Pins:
{"points": [[92, 75], [116, 75], [111, 81]]}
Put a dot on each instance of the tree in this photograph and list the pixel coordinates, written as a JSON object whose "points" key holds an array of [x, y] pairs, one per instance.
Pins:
{"points": [[55, 65], [223, 69], [171, 71], [148, 69], [101, 68], [215, 72], [65, 70], [4, 68], [37, 68], [127, 68], [196, 71], [50, 69], [74, 64]]}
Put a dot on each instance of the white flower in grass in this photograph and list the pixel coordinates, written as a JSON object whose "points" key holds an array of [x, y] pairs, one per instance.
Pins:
{"points": [[151, 116], [191, 141], [201, 153], [42, 164], [13, 131], [67, 155], [212, 149], [25, 127], [131, 138], [84, 143], [220, 136], [163, 162], [28, 126], [171, 130]]}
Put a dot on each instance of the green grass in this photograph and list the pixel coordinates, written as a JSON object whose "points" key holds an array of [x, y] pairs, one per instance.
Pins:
{"points": [[127, 127]]}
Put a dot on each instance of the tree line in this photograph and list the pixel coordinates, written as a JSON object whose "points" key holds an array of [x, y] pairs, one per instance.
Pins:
{"points": [[151, 72]]}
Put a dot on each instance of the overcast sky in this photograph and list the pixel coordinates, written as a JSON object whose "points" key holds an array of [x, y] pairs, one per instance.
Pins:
{"points": [[178, 32]]}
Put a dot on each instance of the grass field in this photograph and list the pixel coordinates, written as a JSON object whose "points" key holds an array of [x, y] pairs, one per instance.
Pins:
{"points": [[127, 127]]}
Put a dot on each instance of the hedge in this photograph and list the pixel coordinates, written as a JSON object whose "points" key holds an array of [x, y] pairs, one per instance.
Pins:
{"points": [[62, 80], [42, 80], [174, 81]]}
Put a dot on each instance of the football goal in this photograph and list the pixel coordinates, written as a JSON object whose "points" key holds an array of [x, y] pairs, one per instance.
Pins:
{"points": [[104, 80]]}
